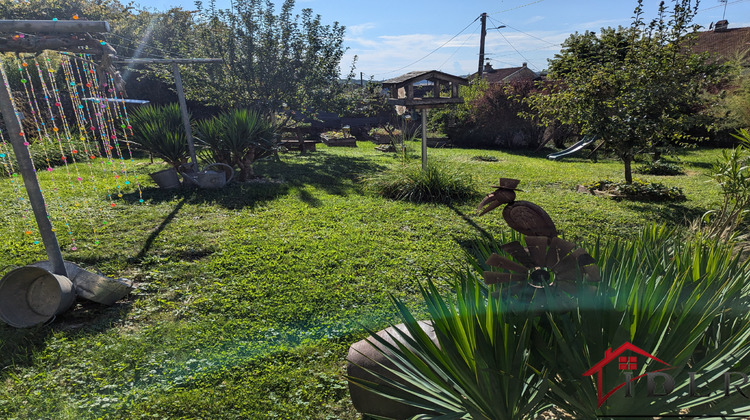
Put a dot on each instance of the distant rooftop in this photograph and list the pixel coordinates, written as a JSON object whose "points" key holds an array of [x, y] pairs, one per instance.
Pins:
{"points": [[723, 41], [492, 75]]}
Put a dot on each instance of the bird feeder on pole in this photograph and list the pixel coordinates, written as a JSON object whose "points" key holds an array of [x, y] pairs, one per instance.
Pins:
{"points": [[404, 91]]}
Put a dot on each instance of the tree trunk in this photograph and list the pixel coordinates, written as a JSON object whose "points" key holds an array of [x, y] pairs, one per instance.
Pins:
{"points": [[246, 165], [628, 159]]}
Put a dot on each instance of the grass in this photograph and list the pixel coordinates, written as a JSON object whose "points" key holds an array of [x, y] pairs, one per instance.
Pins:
{"points": [[249, 296]]}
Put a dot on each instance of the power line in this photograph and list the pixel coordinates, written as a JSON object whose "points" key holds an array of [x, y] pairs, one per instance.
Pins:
{"points": [[527, 34], [517, 7], [456, 51], [514, 48], [433, 51], [714, 7]]}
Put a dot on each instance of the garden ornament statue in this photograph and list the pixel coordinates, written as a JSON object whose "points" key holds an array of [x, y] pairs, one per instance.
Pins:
{"points": [[546, 261]]}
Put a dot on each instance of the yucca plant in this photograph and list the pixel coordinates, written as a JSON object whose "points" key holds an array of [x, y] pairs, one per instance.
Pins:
{"points": [[686, 302], [238, 138], [210, 134], [159, 130], [481, 367]]}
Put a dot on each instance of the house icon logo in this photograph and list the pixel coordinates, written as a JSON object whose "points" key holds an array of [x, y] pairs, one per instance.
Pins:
{"points": [[625, 358]]}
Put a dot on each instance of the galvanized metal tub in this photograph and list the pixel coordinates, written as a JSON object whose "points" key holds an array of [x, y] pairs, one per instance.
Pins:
{"points": [[32, 295]]}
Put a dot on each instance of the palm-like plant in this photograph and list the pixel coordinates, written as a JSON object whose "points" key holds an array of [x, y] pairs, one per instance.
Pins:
{"points": [[238, 138], [685, 301], [481, 367], [159, 130]]}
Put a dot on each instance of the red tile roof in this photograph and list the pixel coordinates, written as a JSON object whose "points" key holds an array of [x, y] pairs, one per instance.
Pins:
{"points": [[504, 75], [725, 44]]}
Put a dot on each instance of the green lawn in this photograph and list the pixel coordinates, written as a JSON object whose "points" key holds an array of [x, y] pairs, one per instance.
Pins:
{"points": [[249, 296]]}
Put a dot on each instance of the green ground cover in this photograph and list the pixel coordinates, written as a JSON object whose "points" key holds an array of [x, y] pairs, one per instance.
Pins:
{"points": [[249, 296]]}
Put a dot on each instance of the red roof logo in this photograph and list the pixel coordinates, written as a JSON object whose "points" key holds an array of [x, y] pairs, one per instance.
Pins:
{"points": [[623, 362]]}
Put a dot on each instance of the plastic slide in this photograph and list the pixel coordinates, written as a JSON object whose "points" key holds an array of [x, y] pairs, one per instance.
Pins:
{"points": [[585, 141]]}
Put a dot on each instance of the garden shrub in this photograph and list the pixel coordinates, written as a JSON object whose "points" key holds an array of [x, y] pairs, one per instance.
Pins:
{"points": [[660, 167], [732, 173], [436, 184], [638, 190], [491, 118], [44, 154]]}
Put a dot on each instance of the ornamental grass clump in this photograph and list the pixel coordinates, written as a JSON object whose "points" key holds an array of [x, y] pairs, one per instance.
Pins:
{"points": [[436, 184], [683, 300], [482, 367]]}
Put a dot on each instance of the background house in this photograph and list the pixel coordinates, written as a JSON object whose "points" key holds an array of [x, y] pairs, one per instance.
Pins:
{"points": [[506, 75], [724, 42]]}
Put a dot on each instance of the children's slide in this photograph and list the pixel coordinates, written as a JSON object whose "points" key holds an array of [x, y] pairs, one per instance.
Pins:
{"points": [[585, 141]]}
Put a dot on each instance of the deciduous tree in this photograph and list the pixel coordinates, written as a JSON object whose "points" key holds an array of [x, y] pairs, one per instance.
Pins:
{"points": [[637, 87], [271, 58]]}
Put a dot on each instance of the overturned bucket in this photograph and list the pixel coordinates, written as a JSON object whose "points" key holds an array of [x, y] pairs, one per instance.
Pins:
{"points": [[33, 295]]}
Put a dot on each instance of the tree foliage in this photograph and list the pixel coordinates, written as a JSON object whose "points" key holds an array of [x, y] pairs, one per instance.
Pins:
{"points": [[109, 10], [733, 107], [638, 88], [490, 116], [270, 58]]}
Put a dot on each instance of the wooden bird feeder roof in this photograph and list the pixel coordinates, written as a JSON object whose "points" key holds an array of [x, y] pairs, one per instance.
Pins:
{"points": [[402, 89]]}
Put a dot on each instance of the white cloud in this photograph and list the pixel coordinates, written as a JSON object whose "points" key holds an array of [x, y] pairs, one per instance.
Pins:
{"points": [[363, 42], [391, 55], [533, 19], [357, 30]]}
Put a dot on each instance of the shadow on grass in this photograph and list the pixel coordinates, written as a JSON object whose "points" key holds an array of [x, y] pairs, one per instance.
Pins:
{"points": [[677, 214], [152, 237], [19, 346], [471, 222], [336, 175], [701, 165]]}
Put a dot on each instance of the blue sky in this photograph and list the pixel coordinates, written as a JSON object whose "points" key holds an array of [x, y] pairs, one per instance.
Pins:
{"points": [[393, 37]]}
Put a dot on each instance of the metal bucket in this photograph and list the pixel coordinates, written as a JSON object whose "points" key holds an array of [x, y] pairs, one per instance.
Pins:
{"points": [[32, 295], [210, 179], [166, 179]]}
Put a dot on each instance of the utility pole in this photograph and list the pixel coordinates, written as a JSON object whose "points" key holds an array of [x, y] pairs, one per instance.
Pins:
{"points": [[481, 44]]}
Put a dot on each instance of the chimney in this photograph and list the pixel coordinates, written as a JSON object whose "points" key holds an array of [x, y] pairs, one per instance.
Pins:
{"points": [[721, 26], [488, 67], [524, 64]]}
